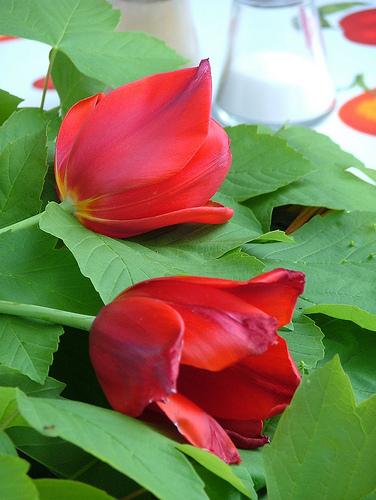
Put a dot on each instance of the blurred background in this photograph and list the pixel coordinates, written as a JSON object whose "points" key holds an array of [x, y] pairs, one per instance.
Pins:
{"points": [[273, 62]]}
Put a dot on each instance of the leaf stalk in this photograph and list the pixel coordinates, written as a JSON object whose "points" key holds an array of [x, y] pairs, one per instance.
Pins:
{"points": [[55, 316]]}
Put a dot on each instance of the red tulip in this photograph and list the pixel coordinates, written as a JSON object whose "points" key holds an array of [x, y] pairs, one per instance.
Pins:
{"points": [[204, 351], [145, 156]]}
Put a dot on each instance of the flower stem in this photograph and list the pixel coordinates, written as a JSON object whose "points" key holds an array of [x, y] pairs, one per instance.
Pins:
{"points": [[22, 224], [56, 316], [50, 64], [34, 219]]}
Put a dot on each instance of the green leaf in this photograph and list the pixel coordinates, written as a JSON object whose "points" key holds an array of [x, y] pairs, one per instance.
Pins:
{"points": [[64, 459], [12, 378], [262, 163], [324, 446], [126, 444], [60, 489], [8, 104], [33, 271], [304, 342], [209, 241], [276, 235], [6, 445], [357, 350], [114, 265], [337, 254], [110, 264], [22, 165], [251, 466], [14, 482], [70, 83], [84, 31], [215, 487], [330, 185], [218, 467], [28, 346], [9, 414]]}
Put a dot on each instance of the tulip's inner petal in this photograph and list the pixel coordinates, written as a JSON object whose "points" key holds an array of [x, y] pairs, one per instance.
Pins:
{"points": [[199, 428], [275, 293], [245, 434], [255, 388], [193, 186], [135, 347], [142, 132], [220, 329], [69, 130], [212, 213], [215, 339]]}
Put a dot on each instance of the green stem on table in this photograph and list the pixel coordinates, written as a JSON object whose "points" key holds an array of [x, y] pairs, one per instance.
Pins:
{"points": [[56, 316], [50, 64]]}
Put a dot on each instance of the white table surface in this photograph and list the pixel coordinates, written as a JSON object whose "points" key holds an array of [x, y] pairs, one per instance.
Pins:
{"points": [[23, 61]]}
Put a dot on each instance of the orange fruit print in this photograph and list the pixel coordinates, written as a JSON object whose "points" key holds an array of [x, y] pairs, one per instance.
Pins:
{"points": [[360, 112]]}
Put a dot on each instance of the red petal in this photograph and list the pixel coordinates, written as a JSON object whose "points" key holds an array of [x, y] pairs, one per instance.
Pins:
{"points": [[256, 388], [68, 133], [212, 213], [135, 348], [199, 428], [215, 339], [245, 434], [142, 132], [192, 187], [220, 329], [275, 293]]}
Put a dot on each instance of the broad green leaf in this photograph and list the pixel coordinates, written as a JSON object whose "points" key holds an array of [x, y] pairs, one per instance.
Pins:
{"points": [[28, 346], [33, 271], [357, 350], [210, 241], [12, 378], [217, 467], [324, 446], [84, 31], [60, 489], [125, 443], [337, 253], [22, 165], [216, 487], [114, 265], [9, 414], [14, 481], [262, 163], [110, 264], [251, 466], [276, 235], [66, 460], [8, 104], [330, 185], [6, 445], [70, 83], [304, 342]]}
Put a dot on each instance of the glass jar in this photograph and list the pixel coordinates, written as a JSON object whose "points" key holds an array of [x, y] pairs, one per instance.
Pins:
{"points": [[275, 70], [169, 20]]}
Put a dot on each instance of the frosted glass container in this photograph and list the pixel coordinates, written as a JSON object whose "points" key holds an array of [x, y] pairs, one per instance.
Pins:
{"points": [[275, 70], [169, 20]]}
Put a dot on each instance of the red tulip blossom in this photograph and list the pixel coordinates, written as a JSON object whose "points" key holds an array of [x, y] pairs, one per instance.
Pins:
{"points": [[145, 156], [360, 26], [203, 351]]}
